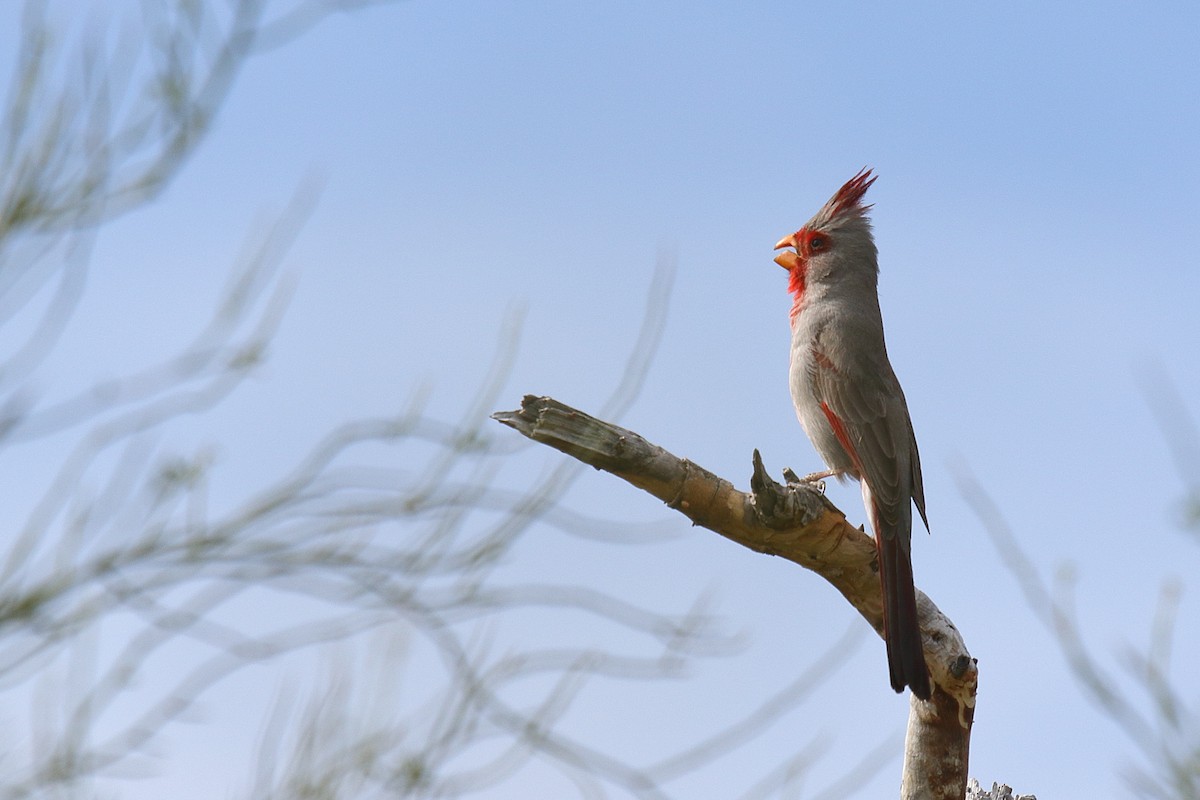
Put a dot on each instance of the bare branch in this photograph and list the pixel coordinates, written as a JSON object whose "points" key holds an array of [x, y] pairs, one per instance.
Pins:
{"points": [[796, 523]]}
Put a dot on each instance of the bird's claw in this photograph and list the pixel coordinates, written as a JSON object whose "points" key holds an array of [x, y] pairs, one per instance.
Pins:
{"points": [[813, 479]]}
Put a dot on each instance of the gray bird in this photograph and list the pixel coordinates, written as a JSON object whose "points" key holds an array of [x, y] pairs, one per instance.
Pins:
{"points": [[851, 405]]}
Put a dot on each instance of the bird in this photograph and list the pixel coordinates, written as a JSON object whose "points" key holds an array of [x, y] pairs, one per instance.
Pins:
{"points": [[850, 403]]}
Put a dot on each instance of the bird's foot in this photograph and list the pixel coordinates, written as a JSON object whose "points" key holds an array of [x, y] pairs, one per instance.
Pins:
{"points": [[816, 479]]}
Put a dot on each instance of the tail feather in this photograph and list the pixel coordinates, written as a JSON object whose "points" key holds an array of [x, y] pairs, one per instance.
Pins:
{"points": [[906, 655]]}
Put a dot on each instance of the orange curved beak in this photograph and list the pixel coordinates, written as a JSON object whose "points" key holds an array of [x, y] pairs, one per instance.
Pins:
{"points": [[789, 259]]}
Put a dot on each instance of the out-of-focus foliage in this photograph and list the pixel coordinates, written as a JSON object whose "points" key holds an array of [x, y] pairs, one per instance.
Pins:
{"points": [[126, 596]]}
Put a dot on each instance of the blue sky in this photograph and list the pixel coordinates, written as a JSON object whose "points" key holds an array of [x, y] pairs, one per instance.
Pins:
{"points": [[1035, 213]]}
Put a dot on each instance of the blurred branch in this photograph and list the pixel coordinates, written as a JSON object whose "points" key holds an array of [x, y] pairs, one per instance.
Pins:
{"points": [[92, 133], [129, 593], [1180, 433], [76, 154], [760, 718], [373, 545], [1165, 732]]}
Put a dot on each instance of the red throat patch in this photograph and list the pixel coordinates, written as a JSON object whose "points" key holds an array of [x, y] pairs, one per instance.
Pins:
{"points": [[796, 285]]}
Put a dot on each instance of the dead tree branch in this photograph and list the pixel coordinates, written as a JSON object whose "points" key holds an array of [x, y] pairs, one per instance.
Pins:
{"points": [[795, 522]]}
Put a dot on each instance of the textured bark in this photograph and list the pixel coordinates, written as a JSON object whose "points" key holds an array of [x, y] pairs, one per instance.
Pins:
{"points": [[796, 522], [998, 792]]}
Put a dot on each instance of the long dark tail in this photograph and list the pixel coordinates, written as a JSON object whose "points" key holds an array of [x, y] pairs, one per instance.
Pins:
{"points": [[902, 632]]}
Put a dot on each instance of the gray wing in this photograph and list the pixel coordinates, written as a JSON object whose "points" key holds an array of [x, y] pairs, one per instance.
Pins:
{"points": [[869, 407]]}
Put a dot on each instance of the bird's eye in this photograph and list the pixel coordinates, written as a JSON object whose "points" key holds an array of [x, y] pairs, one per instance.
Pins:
{"points": [[817, 243]]}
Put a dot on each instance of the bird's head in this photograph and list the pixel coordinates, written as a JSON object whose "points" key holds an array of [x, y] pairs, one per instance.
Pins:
{"points": [[835, 244]]}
